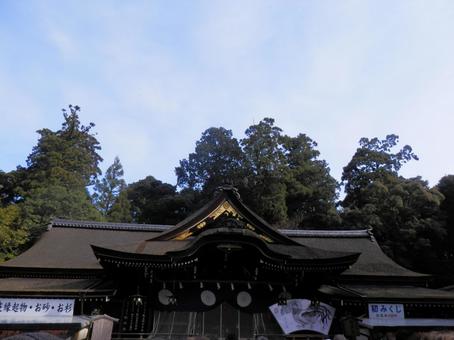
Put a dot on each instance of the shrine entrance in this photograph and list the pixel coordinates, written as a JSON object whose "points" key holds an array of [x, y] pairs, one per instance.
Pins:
{"points": [[222, 322], [215, 275]]}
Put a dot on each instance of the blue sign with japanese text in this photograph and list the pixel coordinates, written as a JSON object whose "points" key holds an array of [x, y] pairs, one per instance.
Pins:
{"points": [[386, 311]]}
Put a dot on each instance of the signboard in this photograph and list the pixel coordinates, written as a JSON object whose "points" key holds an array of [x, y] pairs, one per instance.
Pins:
{"points": [[386, 311], [302, 314], [36, 307]]}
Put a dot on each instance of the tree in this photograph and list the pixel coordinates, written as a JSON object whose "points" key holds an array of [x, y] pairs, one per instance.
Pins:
{"points": [[107, 189], [280, 177], [262, 148], [404, 213], [13, 235], [446, 187], [9, 191], [311, 190], [265, 159], [371, 161], [289, 185], [42, 203], [153, 201], [68, 156], [405, 217], [121, 209], [217, 160], [59, 169]]}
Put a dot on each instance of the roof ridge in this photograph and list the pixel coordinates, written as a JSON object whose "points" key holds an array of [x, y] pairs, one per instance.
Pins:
{"points": [[355, 233], [86, 224]]}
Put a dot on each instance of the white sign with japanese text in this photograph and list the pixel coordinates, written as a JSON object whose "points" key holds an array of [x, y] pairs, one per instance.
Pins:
{"points": [[386, 311], [36, 307]]}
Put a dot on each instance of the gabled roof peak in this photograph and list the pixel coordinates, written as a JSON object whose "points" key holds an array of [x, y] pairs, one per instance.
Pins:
{"points": [[225, 206], [228, 188]]}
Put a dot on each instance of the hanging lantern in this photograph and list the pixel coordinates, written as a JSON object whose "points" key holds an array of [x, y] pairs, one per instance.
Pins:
{"points": [[208, 297], [243, 299]]}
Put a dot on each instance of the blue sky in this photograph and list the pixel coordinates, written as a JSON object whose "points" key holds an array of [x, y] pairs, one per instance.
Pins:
{"points": [[153, 75]]}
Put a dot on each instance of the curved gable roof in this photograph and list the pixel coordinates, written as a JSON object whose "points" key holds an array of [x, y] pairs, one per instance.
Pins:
{"points": [[227, 201]]}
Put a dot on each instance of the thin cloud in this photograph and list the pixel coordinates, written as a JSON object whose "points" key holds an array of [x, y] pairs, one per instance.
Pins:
{"points": [[154, 75]]}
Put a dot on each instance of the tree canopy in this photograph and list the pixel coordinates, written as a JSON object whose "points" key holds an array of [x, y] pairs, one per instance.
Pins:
{"points": [[404, 213], [107, 189], [217, 160], [54, 183], [446, 188], [279, 176]]}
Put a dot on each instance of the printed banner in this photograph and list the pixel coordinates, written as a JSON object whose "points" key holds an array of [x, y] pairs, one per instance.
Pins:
{"points": [[302, 314], [386, 311], [36, 307]]}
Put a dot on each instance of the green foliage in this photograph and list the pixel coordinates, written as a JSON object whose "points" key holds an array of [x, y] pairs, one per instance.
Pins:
{"points": [[371, 161], [155, 202], [311, 190], [280, 177], [54, 183], [60, 167], [45, 202], [217, 160], [121, 209], [266, 191], [404, 213], [261, 147], [68, 156], [446, 187], [405, 217], [9, 187], [12, 234], [107, 189]]}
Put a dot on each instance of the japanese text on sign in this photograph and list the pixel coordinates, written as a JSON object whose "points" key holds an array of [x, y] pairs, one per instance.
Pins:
{"points": [[386, 311], [36, 307]]}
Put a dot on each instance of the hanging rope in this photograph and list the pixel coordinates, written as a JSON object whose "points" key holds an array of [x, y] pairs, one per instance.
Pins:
{"points": [[263, 323], [171, 325], [188, 328], [255, 322], [156, 321]]}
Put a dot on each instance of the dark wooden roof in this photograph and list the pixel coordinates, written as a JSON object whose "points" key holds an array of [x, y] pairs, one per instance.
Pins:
{"points": [[61, 223], [372, 261], [388, 293], [58, 287], [281, 257], [173, 247], [67, 245]]}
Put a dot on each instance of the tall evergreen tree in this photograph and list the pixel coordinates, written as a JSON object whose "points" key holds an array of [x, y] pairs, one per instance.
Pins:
{"points": [[121, 210], [266, 190], [153, 201], [280, 177], [311, 190], [404, 213], [217, 160], [59, 169], [68, 156], [13, 234], [446, 187], [107, 189], [373, 160]]}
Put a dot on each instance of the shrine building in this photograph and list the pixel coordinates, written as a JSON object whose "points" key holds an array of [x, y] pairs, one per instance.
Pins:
{"points": [[221, 273]]}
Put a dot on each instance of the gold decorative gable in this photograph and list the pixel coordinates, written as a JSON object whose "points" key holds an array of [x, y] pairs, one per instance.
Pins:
{"points": [[224, 209]]}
